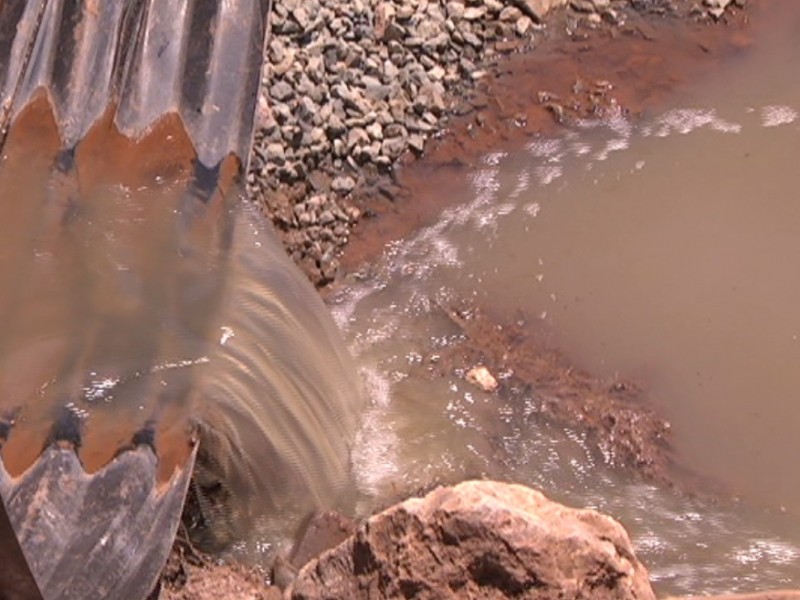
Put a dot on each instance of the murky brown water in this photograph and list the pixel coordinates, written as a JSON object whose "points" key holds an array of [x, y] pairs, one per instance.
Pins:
{"points": [[661, 251]]}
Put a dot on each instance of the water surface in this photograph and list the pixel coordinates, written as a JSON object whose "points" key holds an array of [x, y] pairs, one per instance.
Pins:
{"points": [[662, 251]]}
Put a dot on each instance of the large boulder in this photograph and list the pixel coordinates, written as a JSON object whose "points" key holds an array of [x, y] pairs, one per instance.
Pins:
{"points": [[479, 539]]}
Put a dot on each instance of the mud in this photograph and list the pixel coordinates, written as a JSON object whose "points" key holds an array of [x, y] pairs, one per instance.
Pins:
{"points": [[190, 575]]}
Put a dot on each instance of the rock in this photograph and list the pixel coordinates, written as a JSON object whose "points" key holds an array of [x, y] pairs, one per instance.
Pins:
{"points": [[281, 91], [716, 8], [537, 9], [393, 147], [335, 127], [493, 6], [510, 13], [394, 130], [276, 51], [523, 25], [455, 10], [343, 185], [356, 137], [275, 154], [479, 539], [384, 14], [582, 6], [416, 143], [375, 131], [482, 378], [283, 572], [473, 13]]}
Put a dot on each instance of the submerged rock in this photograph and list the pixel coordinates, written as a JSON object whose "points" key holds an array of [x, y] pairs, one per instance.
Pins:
{"points": [[479, 539]]}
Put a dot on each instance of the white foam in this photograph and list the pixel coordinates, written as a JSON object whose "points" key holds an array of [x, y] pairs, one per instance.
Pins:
{"points": [[775, 115]]}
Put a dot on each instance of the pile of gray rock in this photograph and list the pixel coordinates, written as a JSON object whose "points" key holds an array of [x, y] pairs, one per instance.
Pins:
{"points": [[352, 85]]}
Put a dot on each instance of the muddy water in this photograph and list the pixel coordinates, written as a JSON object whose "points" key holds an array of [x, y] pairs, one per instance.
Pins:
{"points": [[662, 251]]}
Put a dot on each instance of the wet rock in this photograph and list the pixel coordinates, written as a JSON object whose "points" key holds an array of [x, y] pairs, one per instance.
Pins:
{"points": [[523, 25], [323, 532], [481, 377], [480, 539], [716, 8]]}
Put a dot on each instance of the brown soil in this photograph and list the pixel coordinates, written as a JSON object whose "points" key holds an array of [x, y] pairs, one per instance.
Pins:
{"points": [[576, 71], [189, 575], [611, 412]]}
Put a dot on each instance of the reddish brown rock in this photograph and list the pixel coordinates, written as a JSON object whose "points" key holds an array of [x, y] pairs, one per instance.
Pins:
{"points": [[480, 539]]}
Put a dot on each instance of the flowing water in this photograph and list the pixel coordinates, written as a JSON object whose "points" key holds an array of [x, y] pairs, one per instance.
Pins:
{"points": [[135, 296], [661, 250]]}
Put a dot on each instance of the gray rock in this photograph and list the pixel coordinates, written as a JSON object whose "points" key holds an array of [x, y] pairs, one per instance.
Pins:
{"points": [[356, 137], [510, 13], [275, 154], [473, 13], [343, 185], [393, 147], [523, 25], [335, 126], [281, 91]]}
